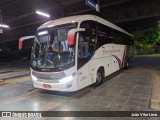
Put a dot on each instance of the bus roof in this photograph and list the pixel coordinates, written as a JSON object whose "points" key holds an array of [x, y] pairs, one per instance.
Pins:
{"points": [[80, 18]]}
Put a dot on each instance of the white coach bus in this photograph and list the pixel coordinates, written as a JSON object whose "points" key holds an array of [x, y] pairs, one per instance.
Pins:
{"points": [[71, 53]]}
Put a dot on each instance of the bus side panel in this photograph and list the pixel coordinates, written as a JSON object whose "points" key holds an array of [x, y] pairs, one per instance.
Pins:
{"points": [[82, 76], [101, 58], [115, 64], [118, 56], [109, 56], [95, 64]]}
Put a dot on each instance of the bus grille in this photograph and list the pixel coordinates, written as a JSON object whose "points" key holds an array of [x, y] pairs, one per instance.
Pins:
{"points": [[49, 76]]}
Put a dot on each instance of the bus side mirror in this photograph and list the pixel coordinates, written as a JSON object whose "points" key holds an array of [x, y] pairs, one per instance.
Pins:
{"points": [[20, 44], [70, 39], [71, 36]]}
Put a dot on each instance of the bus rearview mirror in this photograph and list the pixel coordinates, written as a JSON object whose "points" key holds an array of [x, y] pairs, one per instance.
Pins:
{"points": [[71, 36], [20, 44], [71, 40]]}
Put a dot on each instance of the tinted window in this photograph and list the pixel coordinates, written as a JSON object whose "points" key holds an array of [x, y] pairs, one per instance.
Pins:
{"points": [[105, 35], [123, 39], [87, 39], [86, 42]]}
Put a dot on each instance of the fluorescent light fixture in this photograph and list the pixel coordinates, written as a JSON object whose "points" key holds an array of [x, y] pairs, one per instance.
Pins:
{"points": [[50, 26], [43, 14], [4, 26], [73, 21], [43, 33]]}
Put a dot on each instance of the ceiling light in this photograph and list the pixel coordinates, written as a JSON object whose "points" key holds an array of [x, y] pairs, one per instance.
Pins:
{"points": [[50, 26], [43, 14], [4, 26]]}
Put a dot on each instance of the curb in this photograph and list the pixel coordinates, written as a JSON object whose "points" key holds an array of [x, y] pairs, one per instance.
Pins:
{"points": [[155, 97]]}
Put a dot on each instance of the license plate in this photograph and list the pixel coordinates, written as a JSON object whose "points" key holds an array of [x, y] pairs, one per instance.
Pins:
{"points": [[46, 86]]}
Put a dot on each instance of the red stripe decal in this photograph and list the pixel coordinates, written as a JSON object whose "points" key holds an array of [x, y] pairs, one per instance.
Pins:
{"points": [[124, 55], [119, 61]]}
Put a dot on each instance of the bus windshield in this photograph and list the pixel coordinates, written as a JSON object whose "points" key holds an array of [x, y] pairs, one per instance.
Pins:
{"points": [[50, 50]]}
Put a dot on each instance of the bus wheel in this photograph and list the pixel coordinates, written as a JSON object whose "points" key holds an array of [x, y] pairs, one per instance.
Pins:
{"points": [[99, 77], [127, 64]]}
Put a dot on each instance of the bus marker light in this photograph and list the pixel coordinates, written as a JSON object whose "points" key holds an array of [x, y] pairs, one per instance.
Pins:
{"points": [[73, 21]]}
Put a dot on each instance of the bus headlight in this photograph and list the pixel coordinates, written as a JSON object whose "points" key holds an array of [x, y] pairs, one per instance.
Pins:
{"points": [[34, 78], [66, 79]]}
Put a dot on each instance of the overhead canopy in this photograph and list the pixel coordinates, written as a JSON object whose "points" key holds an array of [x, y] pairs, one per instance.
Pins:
{"points": [[21, 15]]}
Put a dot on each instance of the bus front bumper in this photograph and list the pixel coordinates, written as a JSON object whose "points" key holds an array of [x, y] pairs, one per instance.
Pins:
{"points": [[49, 85]]}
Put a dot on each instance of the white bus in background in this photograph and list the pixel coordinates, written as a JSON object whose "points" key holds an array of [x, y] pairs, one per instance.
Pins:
{"points": [[71, 53]]}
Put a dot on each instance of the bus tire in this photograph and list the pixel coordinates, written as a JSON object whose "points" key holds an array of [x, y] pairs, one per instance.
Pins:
{"points": [[99, 77], [127, 64]]}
